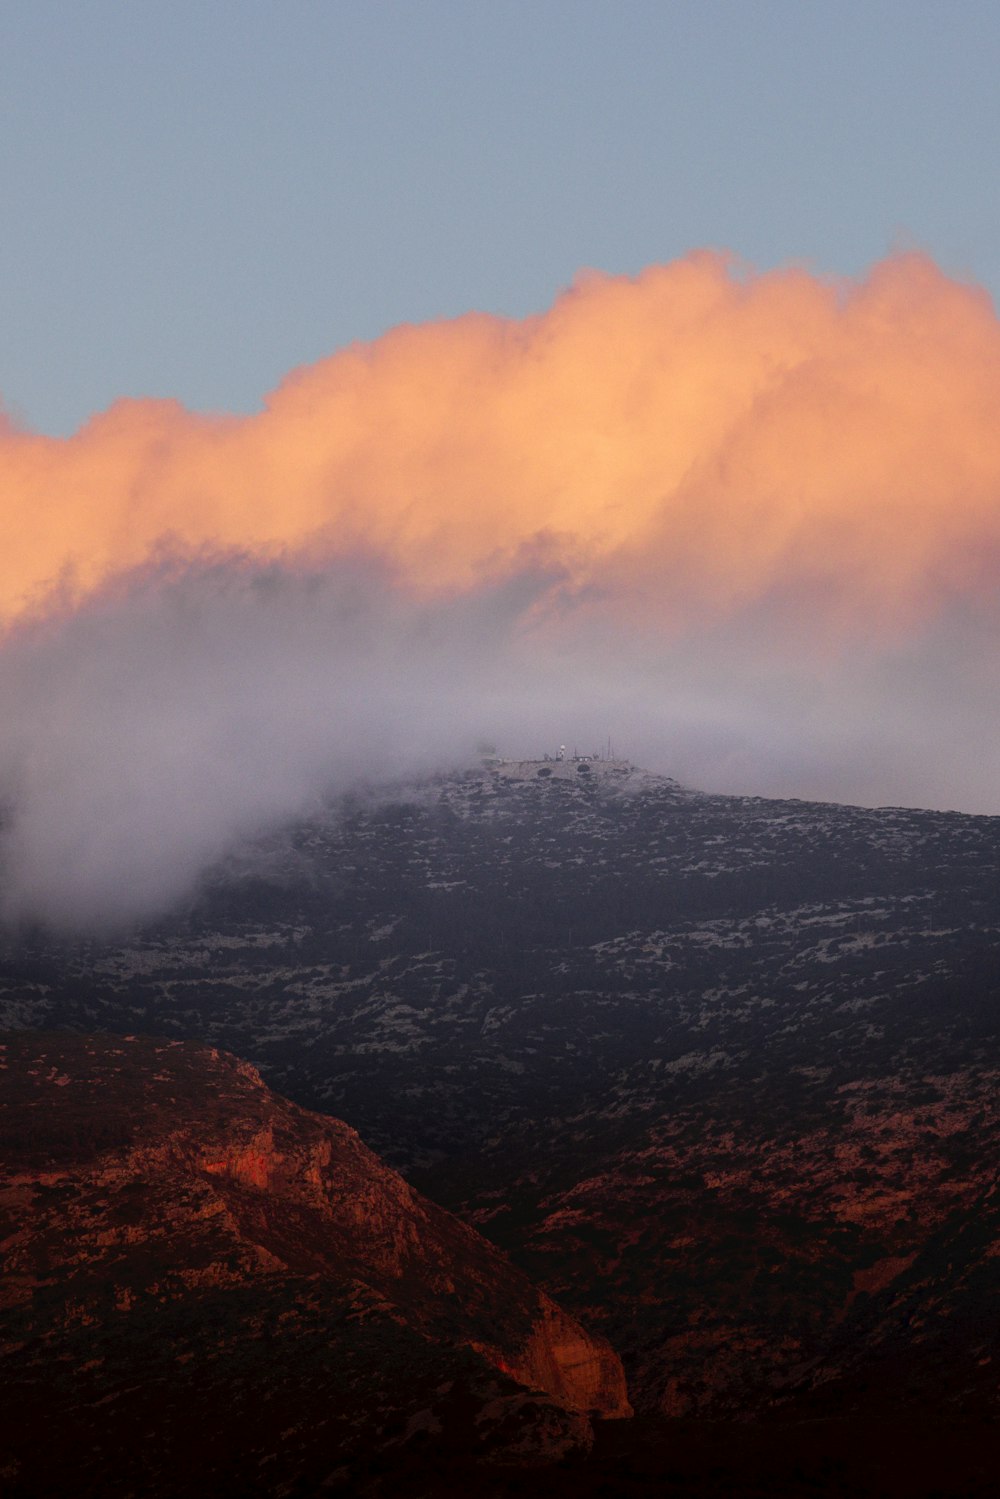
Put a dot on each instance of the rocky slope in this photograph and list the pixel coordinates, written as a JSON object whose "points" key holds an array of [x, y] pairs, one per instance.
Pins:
{"points": [[187, 1253], [721, 1073]]}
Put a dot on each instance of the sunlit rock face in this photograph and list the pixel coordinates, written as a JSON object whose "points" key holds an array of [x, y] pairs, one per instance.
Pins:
{"points": [[187, 1251]]}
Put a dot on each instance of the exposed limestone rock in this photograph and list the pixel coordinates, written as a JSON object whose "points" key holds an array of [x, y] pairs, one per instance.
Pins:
{"points": [[156, 1184]]}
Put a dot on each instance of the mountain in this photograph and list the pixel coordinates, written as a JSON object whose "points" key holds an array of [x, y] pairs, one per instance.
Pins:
{"points": [[207, 1288], [719, 1073]]}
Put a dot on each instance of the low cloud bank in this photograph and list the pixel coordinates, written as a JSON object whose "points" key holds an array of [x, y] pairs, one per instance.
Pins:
{"points": [[195, 704]]}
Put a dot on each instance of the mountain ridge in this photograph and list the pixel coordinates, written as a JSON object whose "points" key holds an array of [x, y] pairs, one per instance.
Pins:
{"points": [[720, 1073]]}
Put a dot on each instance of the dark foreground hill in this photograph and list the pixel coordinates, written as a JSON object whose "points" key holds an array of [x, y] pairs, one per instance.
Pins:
{"points": [[207, 1289], [720, 1073]]}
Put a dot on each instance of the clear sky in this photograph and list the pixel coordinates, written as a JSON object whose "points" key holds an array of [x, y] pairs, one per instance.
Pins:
{"points": [[198, 197]]}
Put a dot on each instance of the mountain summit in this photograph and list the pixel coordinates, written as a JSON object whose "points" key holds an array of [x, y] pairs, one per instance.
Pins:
{"points": [[720, 1074]]}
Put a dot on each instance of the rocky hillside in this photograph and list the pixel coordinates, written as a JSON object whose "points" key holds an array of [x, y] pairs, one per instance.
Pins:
{"points": [[191, 1260], [720, 1073]]}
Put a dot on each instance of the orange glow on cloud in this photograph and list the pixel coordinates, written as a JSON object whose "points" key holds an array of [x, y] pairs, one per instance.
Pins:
{"points": [[691, 440]]}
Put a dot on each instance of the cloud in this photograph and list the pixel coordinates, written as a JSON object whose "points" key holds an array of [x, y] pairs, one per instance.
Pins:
{"points": [[748, 525], [694, 437], [196, 704]]}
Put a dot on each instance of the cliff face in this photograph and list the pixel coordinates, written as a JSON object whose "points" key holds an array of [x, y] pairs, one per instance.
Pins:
{"points": [[170, 1223]]}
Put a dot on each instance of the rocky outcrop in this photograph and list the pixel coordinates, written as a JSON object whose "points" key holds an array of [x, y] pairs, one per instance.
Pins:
{"points": [[570, 1364], [151, 1185]]}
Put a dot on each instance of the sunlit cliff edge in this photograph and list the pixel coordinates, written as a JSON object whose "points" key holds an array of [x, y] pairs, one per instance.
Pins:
{"points": [[171, 1226]]}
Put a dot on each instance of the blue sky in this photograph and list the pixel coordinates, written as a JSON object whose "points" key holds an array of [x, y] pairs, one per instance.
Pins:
{"points": [[199, 196]]}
